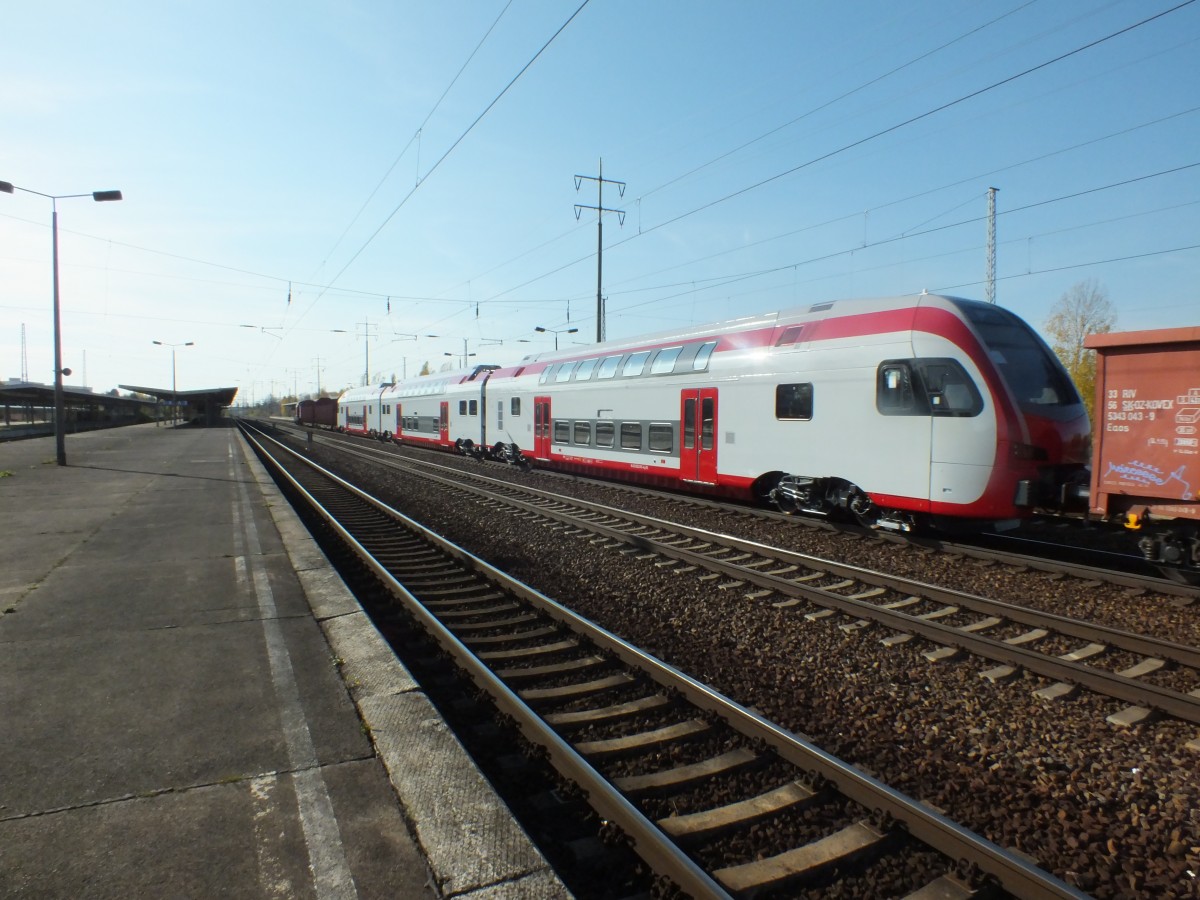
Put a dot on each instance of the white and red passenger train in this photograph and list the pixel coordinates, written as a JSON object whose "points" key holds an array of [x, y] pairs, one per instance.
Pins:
{"points": [[896, 411]]}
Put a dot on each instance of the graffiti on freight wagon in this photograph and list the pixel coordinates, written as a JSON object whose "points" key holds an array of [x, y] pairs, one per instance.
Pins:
{"points": [[1146, 475]]}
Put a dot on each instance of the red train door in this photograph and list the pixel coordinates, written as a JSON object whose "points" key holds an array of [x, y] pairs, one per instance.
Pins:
{"points": [[698, 435], [541, 427], [444, 423], [399, 421]]}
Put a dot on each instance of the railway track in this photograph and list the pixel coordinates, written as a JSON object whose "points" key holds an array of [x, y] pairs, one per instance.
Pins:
{"points": [[1019, 551], [1070, 653], [711, 795]]}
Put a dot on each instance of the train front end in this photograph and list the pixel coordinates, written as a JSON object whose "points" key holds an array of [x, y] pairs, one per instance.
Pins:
{"points": [[1043, 433]]}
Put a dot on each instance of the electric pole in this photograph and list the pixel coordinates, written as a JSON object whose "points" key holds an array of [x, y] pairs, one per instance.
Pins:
{"points": [[600, 211], [366, 333], [991, 246]]}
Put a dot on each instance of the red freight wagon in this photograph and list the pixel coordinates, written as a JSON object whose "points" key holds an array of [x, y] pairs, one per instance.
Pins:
{"points": [[321, 412], [1146, 454]]}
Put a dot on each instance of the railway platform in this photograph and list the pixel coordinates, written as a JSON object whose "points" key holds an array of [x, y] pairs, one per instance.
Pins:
{"points": [[192, 704]]}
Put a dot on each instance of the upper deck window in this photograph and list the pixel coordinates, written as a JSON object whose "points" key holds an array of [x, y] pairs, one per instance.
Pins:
{"points": [[664, 361], [635, 364], [700, 363], [608, 368]]}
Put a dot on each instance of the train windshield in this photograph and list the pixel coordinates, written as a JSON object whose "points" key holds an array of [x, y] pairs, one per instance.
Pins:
{"points": [[1032, 371]]}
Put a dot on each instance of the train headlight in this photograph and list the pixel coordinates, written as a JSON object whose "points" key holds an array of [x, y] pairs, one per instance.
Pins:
{"points": [[1029, 452]]}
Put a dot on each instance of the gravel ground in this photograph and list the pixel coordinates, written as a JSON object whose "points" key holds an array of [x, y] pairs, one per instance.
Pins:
{"points": [[1115, 812]]}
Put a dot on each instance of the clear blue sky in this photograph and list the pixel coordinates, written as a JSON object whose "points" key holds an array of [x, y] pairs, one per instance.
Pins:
{"points": [[775, 154]]}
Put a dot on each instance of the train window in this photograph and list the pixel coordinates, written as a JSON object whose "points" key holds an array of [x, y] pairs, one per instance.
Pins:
{"points": [[585, 369], [631, 435], [545, 374], [700, 363], [790, 335], [499, 413], [661, 437], [895, 394], [634, 365], [582, 434], [462, 407], [950, 390], [608, 368], [708, 422], [664, 361], [562, 431], [515, 406], [473, 409], [604, 434], [689, 423], [794, 401], [564, 372], [1031, 369]]}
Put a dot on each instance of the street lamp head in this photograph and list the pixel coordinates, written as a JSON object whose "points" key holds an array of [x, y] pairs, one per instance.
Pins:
{"points": [[572, 330], [160, 343], [6, 187], [190, 344], [539, 328], [102, 196]]}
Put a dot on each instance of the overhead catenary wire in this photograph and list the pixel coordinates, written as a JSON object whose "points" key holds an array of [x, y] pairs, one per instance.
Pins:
{"points": [[448, 151]]}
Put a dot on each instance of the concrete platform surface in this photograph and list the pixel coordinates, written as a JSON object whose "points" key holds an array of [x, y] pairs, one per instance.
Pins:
{"points": [[193, 705]]}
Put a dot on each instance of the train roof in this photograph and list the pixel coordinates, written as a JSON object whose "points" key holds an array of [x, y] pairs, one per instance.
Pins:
{"points": [[1122, 339], [812, 312]]}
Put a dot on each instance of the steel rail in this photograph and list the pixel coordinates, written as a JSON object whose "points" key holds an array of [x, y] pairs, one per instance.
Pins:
{"points": [[1130, 580], [1013, 873], [1174, 703]]}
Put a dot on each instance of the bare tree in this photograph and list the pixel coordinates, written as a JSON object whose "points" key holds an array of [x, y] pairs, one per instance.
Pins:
{"points": [[1084, 309]]}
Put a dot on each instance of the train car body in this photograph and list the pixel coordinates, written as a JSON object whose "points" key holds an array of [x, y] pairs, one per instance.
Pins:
{"points": [[440, 411], [319, 413], [888, 409], [1146, 451], [364, 411], [891, 410]]}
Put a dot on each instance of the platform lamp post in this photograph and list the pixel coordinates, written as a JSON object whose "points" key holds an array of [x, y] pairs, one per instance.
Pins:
{"points": [[60, 444], [174, 400], [556, 332]]}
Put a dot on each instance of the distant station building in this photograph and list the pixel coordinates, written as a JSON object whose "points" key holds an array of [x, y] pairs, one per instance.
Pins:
{"points": [[203, 407]]}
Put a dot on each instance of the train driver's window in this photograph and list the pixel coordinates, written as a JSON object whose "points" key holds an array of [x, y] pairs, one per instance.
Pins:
{"points": [[950, 389], [794, 401], [608, 368], [894, 391], [515, 406], [462, 407]]}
